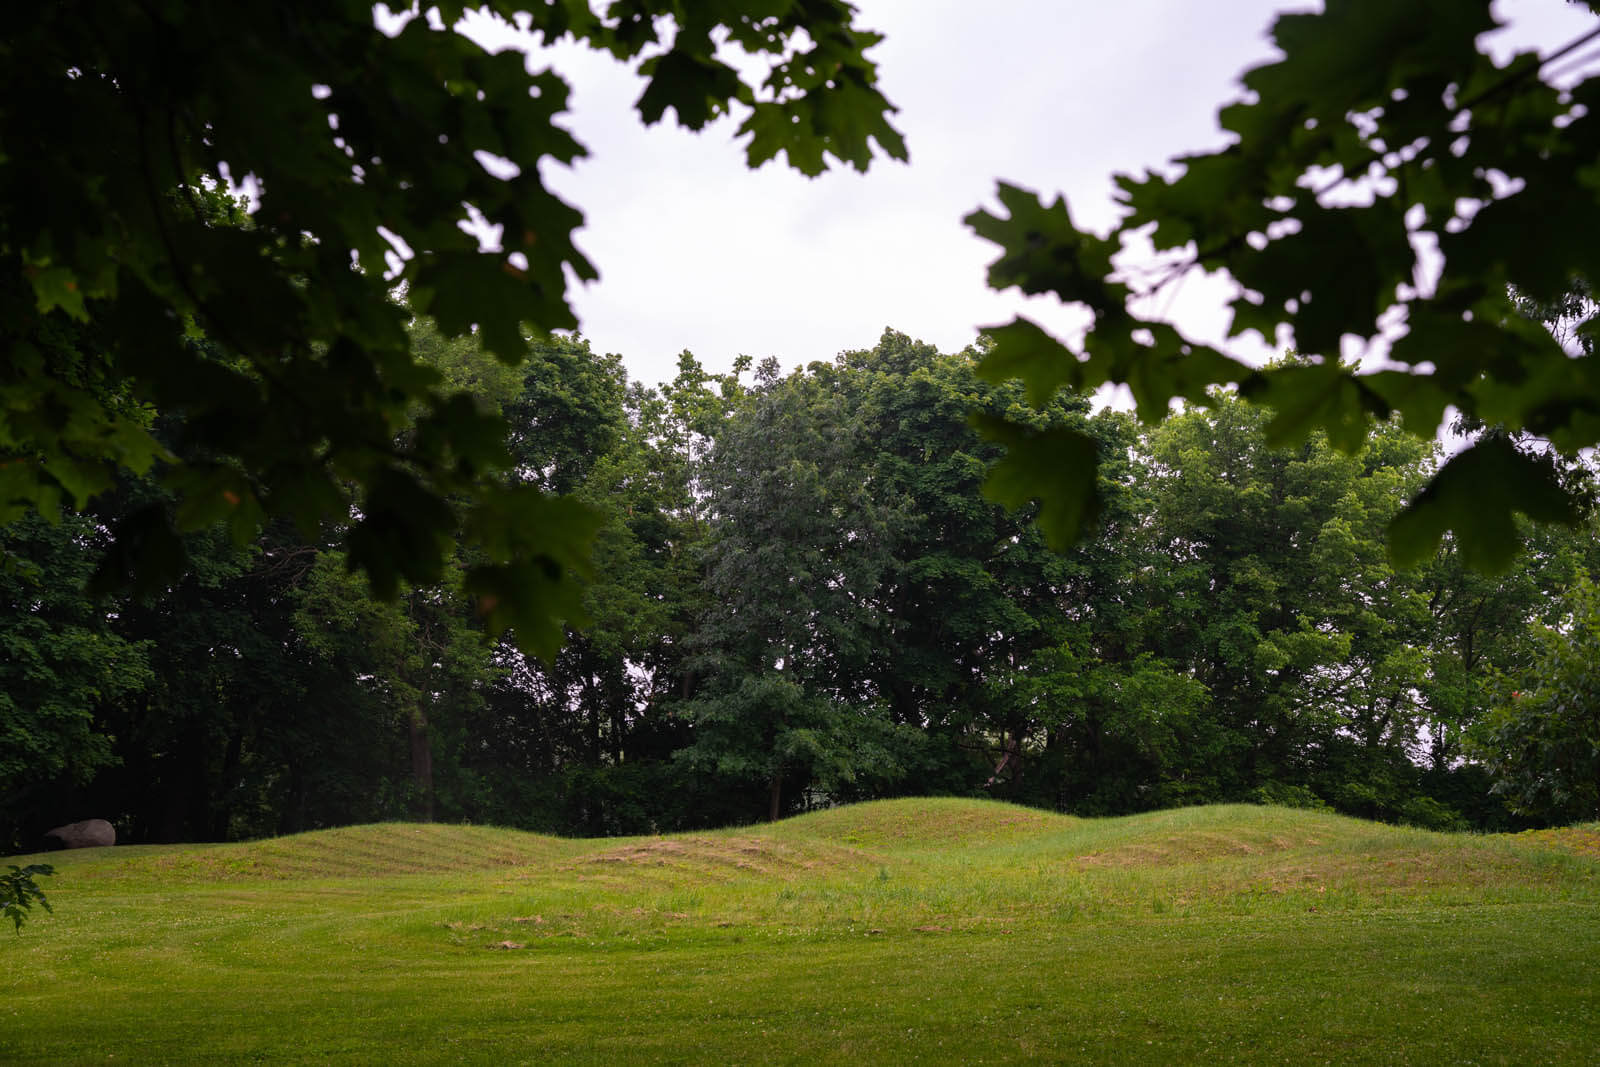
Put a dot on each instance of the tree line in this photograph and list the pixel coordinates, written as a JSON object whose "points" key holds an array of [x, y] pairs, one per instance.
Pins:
{"points": [[787, 589], [800, 594]]}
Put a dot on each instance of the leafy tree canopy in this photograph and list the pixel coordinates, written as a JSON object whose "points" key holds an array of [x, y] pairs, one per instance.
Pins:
{"points": [[1385, 130], [118, 127], [1543, 744]]}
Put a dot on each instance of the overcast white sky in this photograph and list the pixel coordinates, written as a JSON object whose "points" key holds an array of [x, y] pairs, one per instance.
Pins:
{"points": [[697, 252]]}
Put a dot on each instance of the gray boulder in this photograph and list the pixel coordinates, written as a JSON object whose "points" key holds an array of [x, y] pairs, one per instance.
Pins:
{"points": [[90, 833]]}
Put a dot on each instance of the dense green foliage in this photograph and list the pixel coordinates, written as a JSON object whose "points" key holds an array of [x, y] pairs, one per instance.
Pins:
{"points": [[19, 892], [1543, 744], [1385, 141], [598, 607], [120, 126], [800, 595]]}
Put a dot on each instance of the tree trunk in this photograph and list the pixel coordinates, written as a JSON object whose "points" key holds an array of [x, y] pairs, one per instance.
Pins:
{"points": [[619, 725], [591, 702], [222, 809], [186, 792], [422, 762], [775, 797]]}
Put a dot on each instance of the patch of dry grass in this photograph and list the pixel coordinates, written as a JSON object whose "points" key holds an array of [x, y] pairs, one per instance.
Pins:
{"points": [[1582, 840], [723, 857]]}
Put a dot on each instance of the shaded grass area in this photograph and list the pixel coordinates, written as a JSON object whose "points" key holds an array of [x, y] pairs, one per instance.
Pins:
{"points": [[934, 929]]}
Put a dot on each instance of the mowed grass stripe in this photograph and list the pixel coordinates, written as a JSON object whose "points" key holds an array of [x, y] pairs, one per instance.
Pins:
{"points": [[381, 850]]}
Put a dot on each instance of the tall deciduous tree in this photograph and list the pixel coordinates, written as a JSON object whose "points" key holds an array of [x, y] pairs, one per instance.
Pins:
{"points": [[1543, 744], [797, 555], [971, 602], [873, 617], [1278, 596], [415, 663], [1485, 626], [63, 665]]}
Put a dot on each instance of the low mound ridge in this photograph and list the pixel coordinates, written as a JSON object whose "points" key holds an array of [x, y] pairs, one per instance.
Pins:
{"points": [[376, 850], [1231, 842], [1224, 831], [917, 823]]}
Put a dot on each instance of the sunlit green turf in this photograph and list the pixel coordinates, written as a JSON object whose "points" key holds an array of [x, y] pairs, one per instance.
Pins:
{"points": [[933, 929]]}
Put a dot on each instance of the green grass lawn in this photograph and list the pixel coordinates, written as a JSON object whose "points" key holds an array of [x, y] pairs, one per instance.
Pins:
{"points": [[938, 930]]}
